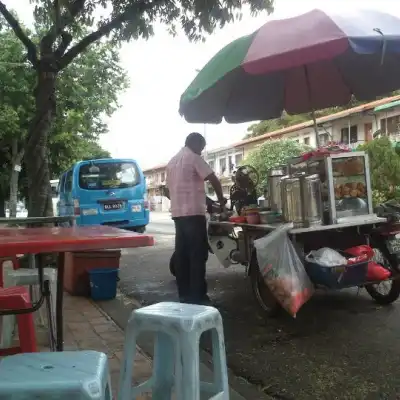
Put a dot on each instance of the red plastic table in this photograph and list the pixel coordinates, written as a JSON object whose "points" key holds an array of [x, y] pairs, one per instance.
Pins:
{"points": [[15, 241]]}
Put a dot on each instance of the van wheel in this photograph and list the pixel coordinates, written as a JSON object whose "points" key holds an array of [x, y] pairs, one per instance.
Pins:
{"points": [[140, 229]]}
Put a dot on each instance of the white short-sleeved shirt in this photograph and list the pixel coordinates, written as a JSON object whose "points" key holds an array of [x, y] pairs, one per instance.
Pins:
{"points": [[186, 173]]}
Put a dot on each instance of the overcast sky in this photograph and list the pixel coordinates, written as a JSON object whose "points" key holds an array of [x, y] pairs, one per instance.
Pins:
{"points": [[148, 126]]}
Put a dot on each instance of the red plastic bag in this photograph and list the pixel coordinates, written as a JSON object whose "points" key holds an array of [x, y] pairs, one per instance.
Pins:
{"points": [[375, 271], [361, 251]]}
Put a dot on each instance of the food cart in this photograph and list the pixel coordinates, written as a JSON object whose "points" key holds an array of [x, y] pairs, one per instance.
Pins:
{"points": [[325, 200]]}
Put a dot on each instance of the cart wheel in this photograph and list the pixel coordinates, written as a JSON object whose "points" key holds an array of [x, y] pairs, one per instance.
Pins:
{"points": [[172, 265], [385, 292], [265, 299]]}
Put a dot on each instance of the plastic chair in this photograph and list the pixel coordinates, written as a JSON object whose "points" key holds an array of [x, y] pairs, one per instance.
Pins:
{"points": [[78, 375], [18, 298], [30, 277], [178, 328]]}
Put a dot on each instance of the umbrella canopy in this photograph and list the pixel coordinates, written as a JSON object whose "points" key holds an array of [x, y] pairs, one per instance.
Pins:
{"points": [[300, 64]]}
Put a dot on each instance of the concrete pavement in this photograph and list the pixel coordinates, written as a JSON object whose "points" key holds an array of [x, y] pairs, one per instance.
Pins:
{"points": [[341, 346]]}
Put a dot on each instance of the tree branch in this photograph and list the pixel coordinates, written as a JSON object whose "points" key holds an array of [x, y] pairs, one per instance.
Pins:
{"points": [[62, 21], [21, 35], [136, 8], [66, 40]]}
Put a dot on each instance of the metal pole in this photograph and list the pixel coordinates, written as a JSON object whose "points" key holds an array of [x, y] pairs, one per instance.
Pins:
{"points": [[205, 137]]}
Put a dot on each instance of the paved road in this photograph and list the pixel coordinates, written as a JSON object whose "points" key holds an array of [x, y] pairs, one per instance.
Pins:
{"points": [[341, 346]]}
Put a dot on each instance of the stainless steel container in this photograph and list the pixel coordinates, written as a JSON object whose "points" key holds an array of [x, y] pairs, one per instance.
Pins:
{"points": [[301, 200], [274, 189]]}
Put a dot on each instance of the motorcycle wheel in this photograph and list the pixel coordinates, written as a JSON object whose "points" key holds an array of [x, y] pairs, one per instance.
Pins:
{"points": [[377, 290], [391, 295], [172, 264], [264, 298]]}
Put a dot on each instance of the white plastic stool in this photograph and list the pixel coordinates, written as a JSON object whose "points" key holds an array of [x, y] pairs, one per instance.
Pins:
{"points": [[29, 277], [178, 328], [67, 375]]}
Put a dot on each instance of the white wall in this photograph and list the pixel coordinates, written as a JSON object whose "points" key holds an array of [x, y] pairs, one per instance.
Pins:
{"points": [[229, 155]]}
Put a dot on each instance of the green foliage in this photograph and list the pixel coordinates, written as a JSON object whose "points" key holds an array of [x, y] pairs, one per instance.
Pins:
{"points": [[87, 90], [271, 154], [385, 168], [131, 19]]}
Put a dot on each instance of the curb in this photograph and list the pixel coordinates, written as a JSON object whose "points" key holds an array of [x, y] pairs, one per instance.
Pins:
{"points": [[119, 311]]}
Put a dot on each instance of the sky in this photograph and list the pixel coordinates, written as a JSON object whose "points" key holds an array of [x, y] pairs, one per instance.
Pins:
{"points": [[148, 127]]}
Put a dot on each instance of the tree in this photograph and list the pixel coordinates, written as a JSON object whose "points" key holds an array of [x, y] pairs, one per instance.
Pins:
{"points": [[69, 33], [271, 154], [87, 90], [384, 164]]}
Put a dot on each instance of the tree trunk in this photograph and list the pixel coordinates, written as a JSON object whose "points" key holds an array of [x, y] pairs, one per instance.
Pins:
{"points": [[36, 160], [2, 206], [16, 159]]}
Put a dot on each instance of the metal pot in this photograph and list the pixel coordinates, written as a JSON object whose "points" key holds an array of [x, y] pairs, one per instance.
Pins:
{"points": [[274, 191], [301, 198]]}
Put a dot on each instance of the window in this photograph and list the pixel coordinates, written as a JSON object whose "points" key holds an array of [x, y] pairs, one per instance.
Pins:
{"points": [[307, 141], [353, 135], [109, 175], [211, 164], [238, 159], [222, 165], [323, 139], [162, 176], [391, 125], [68, 182]]}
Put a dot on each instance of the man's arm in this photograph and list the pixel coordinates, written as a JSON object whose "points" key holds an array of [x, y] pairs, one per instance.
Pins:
{"points": [[216, 184], [165, 192], [207, 174]]}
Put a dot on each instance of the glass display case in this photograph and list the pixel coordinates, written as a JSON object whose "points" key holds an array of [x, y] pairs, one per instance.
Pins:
{"points": [[349, 186]]}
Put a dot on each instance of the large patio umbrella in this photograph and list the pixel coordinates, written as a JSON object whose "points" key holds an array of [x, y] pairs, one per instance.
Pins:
{"points": [[300, 64]]}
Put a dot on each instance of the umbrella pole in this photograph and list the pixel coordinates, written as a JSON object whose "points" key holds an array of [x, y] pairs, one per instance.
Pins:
{"points": [[315, 128], [312, 109]]}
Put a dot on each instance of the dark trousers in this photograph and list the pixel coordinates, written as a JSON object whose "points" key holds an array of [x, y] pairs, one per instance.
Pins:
{"points": [[191, 254]]}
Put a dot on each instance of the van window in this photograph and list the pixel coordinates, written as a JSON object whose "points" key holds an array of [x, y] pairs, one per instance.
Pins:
{"points": [[68, 182], [112, 175]]}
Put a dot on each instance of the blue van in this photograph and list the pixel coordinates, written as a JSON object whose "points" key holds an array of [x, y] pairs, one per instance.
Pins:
{"points": [[105, 192]]}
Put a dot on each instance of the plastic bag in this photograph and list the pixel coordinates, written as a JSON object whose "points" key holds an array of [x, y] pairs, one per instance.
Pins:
{"points": [[326, 257], [283, 271]]}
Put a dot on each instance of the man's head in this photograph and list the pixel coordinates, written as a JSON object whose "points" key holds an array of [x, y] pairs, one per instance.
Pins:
{"points": [[195, 142]]}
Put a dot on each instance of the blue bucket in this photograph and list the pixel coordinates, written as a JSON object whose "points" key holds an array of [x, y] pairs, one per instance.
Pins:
{"points": [[103, 283]]}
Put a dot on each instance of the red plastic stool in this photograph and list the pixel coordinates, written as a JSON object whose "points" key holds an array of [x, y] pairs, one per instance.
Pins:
{"points": [[16, 298]]}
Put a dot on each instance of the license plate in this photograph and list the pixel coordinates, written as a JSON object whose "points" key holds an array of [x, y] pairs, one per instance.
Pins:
{"points": [[393, 246], [113, 206]]}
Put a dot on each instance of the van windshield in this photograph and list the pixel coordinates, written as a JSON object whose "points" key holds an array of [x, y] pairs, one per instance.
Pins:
{"points": [[111, 175]]}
